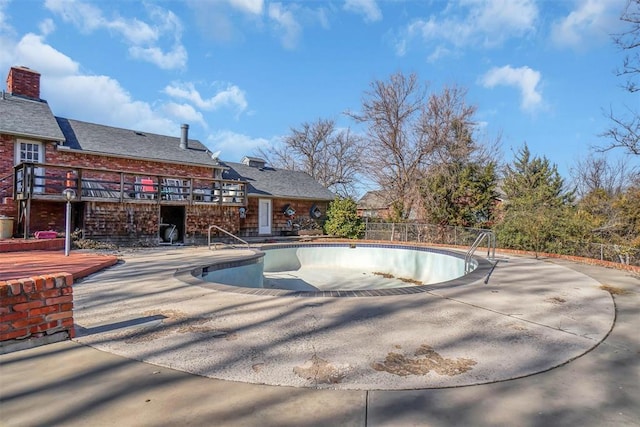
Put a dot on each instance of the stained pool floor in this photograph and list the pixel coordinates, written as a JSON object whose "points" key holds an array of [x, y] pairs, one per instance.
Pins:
{"points": [[323, 279]]}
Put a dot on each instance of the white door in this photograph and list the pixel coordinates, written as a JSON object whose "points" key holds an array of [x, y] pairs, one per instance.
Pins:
{"points": [[31, 151], [264, 216]]}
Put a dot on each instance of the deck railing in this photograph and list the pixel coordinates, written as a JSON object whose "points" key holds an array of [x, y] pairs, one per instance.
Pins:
{"points": [[48, 181]]}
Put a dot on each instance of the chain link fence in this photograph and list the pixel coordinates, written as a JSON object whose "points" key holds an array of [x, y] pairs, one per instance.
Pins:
{"points": [[462, 236]]}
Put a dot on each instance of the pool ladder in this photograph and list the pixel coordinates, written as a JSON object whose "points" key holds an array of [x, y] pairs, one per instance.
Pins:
{"points": [[225, 232], [491, 248]]}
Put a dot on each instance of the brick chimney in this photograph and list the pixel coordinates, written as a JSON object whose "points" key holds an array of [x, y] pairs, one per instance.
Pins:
{"points": [[24, 81]]}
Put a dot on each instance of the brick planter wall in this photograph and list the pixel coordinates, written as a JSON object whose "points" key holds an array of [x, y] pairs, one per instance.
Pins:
{"points": [[36, 307]]}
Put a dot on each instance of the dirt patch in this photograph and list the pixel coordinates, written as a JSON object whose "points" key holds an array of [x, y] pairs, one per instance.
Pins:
{"points": [[319, 371], [385, 275], [402, 279], [613, 290], [426, 360], [556, 300]]}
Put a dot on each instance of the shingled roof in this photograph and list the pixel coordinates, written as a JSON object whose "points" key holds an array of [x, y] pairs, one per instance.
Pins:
{"points": [[270, 182], [29, 118], [106, 140]]}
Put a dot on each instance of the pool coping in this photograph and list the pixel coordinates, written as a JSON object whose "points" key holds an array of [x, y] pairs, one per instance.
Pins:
{"points": [[189, 274]]}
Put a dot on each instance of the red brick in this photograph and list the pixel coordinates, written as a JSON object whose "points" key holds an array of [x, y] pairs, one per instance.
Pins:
{"points": [[66, 306], [59, 300], [43, 310], [13, 316], [72, 333], [51, 293], [28, 286], [7, 302], [58, 316], [68, 278], [4, 327], [66, 291], [49, 282], [39, 283], [67, 322], [5, 290], [22, 323], [27, 305], [20, 333], [16, 287]]}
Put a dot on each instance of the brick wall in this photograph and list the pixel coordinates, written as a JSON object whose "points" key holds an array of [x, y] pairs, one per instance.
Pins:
{"points": [[61, 157], [7, 206], [36, 307], [47, 216]]}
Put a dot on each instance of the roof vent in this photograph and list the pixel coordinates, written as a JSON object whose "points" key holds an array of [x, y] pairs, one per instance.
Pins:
{"points": [[254, 162]]}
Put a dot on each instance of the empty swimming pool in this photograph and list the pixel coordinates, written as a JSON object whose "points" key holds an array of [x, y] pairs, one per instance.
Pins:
{"points": [[342, 269]]}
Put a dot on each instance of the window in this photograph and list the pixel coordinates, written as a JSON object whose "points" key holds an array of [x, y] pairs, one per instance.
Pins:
{"points": [[27, 151]]}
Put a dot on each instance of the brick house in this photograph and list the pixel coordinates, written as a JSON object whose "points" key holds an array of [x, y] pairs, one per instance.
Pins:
{"points": [[132, 186], [374, 204]]}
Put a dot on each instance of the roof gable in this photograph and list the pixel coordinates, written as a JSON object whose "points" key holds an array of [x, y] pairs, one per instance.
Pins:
{"points": [[29, 118]]}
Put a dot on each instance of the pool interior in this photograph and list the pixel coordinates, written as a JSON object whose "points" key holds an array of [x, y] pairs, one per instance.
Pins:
{"points": [[310, 268]]}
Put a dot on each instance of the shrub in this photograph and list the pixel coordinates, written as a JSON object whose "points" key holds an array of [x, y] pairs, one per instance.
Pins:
{"points": [[343, 220]]}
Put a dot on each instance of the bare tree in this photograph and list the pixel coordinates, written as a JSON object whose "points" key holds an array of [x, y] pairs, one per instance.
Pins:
{"points": [[329, 155], [412, 135], [625, 129], [397, 147], [598, 173]]}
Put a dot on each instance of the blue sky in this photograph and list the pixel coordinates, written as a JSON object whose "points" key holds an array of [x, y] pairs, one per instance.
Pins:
{"points": [[243, 72]]}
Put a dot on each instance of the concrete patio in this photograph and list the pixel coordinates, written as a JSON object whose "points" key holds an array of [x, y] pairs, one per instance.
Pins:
{"points": [[545, 342]]}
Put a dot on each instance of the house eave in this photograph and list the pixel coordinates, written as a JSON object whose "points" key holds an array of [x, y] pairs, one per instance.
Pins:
{"points": [[146, 159], [51, 138]]}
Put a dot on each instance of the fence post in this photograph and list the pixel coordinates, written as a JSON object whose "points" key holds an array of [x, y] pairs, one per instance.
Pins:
{"points": [[601, 252]]}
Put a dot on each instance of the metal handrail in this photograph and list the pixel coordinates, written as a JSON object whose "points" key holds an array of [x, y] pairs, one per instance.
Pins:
{"points": [[491, 248], [225, 232]]}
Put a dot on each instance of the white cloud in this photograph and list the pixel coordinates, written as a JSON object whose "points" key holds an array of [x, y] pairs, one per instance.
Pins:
{"points": [[110, 103], [230, 96], [472, 23], [524, 79], [176, 58], [248, 6], [184, 113], [368, 8], [591, 20], [234, 145], [143, 38], [46, 27], [286, 24], [34, 53]]}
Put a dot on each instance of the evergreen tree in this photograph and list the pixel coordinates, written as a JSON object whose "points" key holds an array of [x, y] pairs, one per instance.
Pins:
{"points": [[461, 195], [537, 205]]}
